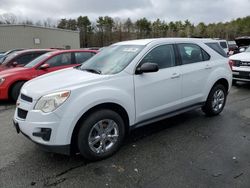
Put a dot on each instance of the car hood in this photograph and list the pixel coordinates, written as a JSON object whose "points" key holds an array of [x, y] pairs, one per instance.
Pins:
{"points": [[244, 56], [66, 79], [11, 71]]}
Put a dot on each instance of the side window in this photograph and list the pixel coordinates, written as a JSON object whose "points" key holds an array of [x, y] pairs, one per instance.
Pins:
{"points": [[82, 56], [163, 55], [191, 53], [24, 59], [60, 60]]}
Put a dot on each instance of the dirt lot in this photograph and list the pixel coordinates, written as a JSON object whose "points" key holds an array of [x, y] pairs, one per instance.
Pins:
{"points": [[189, 150]]}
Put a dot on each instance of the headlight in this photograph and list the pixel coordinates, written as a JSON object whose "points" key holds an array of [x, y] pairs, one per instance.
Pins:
{"points": [[2, 80], [51, 102]]}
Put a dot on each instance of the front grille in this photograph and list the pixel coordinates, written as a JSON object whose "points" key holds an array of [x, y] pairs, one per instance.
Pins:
{"points": [[22, 113], [26, 98]]}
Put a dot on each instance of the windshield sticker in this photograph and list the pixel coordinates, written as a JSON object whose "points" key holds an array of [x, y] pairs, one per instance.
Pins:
{"points": [[130, 50]]}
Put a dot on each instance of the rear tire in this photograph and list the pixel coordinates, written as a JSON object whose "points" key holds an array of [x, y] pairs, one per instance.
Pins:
{"points": [[101, 134], [15, 90], [216, 101]]}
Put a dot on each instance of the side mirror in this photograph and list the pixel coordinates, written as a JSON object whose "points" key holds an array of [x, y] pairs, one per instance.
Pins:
{"points": [[44, 66], [146, 68], [14, 64]]}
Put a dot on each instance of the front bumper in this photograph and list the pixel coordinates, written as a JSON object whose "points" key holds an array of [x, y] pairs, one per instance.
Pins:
{"points": [[60, 149], [41, 128]]}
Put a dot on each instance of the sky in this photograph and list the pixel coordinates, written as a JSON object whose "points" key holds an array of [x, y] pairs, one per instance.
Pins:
{"points": [[208, 11]]}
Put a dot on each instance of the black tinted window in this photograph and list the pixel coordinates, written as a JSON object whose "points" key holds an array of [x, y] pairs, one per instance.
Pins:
{"points": [[223, 44], [162, 55], [190, 53], [60, 60], [82, 56], [24, 59], [216, 47]]}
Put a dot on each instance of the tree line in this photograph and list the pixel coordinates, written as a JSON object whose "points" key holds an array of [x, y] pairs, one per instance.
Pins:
{"points": [[107, 30]]}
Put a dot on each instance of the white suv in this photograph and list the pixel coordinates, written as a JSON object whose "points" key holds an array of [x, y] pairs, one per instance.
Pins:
{"points": [[89, 109], [241, 66]]}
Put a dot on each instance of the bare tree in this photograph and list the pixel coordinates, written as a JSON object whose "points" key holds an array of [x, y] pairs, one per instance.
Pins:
{"points": [[8, 18]]}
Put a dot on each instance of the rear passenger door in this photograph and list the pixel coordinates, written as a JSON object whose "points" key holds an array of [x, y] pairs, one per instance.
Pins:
{"points": [[195, 70], [158, 93]]}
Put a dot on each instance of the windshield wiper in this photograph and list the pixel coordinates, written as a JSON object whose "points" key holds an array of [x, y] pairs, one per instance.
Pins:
{"points": [[92, 70]]}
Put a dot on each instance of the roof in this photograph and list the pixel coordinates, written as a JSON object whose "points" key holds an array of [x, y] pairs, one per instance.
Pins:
{"points": [[72, 50], [25, 25], [147, 41], [34, 50]]}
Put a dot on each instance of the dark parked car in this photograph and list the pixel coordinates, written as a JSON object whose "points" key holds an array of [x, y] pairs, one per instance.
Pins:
{"points": [[21, 58]]}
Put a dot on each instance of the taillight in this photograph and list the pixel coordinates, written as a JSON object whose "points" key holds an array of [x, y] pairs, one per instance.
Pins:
{"points": [[231, 64]]}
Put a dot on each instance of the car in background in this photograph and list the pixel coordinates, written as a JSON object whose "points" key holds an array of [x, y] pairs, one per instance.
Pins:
{"points": [[11, 80], [4, 55], [21, 58], [242, 43], [232, 47], [241, 66], [224, 45]]}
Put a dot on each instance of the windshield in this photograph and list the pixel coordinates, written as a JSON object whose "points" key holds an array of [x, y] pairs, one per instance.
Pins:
{"points": [[38, 60], [112, 59]]}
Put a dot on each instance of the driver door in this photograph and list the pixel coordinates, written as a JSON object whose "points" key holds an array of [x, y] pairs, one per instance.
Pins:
{"points": [[57, 62], [159, 92]]}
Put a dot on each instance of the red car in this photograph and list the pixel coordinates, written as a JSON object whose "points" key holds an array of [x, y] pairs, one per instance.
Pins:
{"points": [[11, 80], [21, 58]]}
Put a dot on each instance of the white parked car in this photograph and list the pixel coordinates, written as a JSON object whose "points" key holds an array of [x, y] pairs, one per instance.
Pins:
{"points": [[241, 66], [129, 84]]}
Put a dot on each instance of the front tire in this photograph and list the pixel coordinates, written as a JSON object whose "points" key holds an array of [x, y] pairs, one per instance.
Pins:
{"points": [[101, 134], [216, 101], [15, 90]]}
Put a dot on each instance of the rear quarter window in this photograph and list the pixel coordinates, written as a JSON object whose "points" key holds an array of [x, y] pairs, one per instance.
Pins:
{"points": [[217, 48], [192, 53]]}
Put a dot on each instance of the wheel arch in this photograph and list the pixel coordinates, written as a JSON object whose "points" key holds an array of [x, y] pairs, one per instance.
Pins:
{"points": [[222, 81], [109, 105]]}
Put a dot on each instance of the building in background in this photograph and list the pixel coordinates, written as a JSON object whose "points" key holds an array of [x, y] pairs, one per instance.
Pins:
{"points": [[27, 36]]}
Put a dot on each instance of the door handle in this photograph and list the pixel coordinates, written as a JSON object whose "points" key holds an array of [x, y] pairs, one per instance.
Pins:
{"points": [[175, 75]]}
